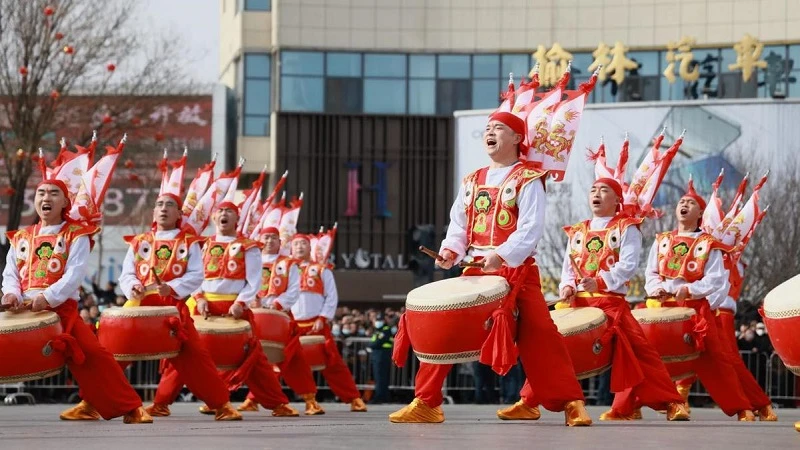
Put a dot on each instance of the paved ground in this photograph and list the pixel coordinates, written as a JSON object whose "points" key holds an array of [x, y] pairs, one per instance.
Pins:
{"points": [[467, 426]]}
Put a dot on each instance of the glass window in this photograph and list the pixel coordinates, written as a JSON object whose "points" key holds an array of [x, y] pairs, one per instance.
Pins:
{"points": [[301, 63], [453, 95], [343, 64], [773, 78], [485, 94], [422, 97], [384, 65], [256, 126], [454, 66], [794, 71], [257, 65], [648, 62], [343, 95], [258, 5], [519, 65], [256, 94], [486, 66], [256, 97], [384, 96], [422, 66], [302, 94]]}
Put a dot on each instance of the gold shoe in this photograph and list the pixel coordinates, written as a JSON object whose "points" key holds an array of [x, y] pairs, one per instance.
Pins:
{"points": [[767, 414], [206, 410], [417, 412], [519, 411], [158, 410], [138, 415], [312, 407], [611, 414], [284, 410], [358, 405], [746, 415], [226, 412], [575, 414], [677, 412], [248, 405], [637, 414], [797, 426], [683, 390], [81, 411]]}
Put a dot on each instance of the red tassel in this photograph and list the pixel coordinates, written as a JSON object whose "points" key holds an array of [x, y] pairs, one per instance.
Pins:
{"points": [[175, 324], [499, 349], [402, 343], [699, 332], [236, 378], [68, 346]]}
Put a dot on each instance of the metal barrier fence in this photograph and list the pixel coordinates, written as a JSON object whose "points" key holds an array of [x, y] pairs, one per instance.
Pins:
{"points": [[778, 382]]}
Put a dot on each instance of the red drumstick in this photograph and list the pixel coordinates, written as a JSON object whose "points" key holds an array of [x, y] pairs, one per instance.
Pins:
{"points": [[575, 267], [430, 253], [478, 264]]}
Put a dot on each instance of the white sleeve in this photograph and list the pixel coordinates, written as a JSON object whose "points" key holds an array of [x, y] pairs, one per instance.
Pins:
{"points": [[331, 295], [127, 278], [718, 297], [292, 294], [630, 248], [567, 274], [70, 282], [252, 265], [714, 276], [456, 239], [190, 281], [652, 280], [11, 280], [522, 243]]}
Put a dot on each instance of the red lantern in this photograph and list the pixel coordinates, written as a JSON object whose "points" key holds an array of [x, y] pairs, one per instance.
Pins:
{"points": [[68, 49], [106, 119], [23, 71], [136, 121], [159, 136], [35, 157], [129, 164], [8, 191], [48, 11], [59, 36], [54, 94], [111, 67], [134, 177]]}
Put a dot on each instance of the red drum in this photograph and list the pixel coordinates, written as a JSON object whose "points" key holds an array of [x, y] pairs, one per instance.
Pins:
{"points": [[25, 351], [446, 320], [669, 330], [140, 333], [314, 351], [781, 312], [226, 338], [582, 329], [274, 331]]}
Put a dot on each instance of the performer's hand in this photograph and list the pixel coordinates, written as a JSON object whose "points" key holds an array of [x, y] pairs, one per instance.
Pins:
{"points": [[255, 304], [137, 292], [318, 326], [492, 262], [11, 299], [660, 293], [683, 294], [567, 294], [39, 303], [202, 306], [589, 284], [276, 306], [449, 259], [165, 290], [236, 310]]}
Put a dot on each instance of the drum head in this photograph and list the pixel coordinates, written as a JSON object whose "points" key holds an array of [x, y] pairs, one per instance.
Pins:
{"points": [[457, 293], [141, 311], [784, 300], [220, 325], [577, 320], [26, 320], [660, 315], [312, 340]]}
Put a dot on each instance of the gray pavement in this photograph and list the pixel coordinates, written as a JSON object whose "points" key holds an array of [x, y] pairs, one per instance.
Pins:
{"points": [[466, 427]]}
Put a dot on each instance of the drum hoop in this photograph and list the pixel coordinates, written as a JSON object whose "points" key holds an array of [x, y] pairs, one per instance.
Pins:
{"points": [[479, 301], [781, 314], [593, 325], [315, 340], [31, 376], [127, 313], [42, 323], [794, 369], [273, 344], [448, 358], [648, 321], [318, 368], [217, 331], [592, 373], [679, 358], [145, 356]]}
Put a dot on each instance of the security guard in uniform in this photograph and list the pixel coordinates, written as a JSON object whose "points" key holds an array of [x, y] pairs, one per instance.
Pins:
{"points": [[381, 345]]}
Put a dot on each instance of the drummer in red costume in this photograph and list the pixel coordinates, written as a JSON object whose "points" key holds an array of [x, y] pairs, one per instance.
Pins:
{"points": [[314, 311], [280, 289], [63, 246], [498, 217], [176, 257], [685, 268], [229, 285]]}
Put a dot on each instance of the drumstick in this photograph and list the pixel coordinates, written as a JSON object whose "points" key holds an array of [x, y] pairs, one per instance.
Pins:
{"points": [[430, 253], [155, 275], [478, 264], [575, 267]]}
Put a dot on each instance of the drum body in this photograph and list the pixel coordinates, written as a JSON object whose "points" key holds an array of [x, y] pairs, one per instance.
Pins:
{"points": [[226, 338], [25, 350], [446, 321], [140, 333], [273, 329], [314, 351], [582, 329], [669, 330], [781, 313]]}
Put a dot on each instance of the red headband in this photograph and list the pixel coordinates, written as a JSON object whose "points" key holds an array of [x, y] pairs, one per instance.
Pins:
{"points": [[271, 230], [700, 201], [174, 197], [612, 183], [63, 188], [512, 121], [300, 236], [229, 205]]}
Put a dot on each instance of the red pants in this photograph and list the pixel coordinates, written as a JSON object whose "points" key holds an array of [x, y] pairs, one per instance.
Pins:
{"points": [[102, 382], [727, 335], [545, 360], [297, 374], [336, 373], [714, 367]]}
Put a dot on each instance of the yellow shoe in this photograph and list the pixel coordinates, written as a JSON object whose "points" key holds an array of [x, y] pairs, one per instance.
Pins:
{"points": [[417, 412], [637, 414], [611, 414], [248, 405], [226, 412], [575, 414], [797, 426], [158, 410], [677, 412], [81, 411], [312, 407], [284, 411], [746, 415], [358, 405], [767, 414], [138, 415], [206, 410], [519, 411]]}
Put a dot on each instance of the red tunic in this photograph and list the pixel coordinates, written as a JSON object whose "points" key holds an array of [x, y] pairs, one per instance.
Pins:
{"points": [[275, 277], [685, 256], [169, 257], [596, 250]]}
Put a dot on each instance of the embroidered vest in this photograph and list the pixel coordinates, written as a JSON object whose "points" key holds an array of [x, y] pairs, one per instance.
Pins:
{"points": [[226, 259], [169, 257], [685, 256], [311, 278], [275, 277], [596, 250]]}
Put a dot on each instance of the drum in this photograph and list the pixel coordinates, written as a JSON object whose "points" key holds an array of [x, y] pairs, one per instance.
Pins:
{"points": [[273, 328], [669, 330], [314, 351], [446, 320], [226, 338], [781, 312], [140, 333], [25, 350], [582, 329]]}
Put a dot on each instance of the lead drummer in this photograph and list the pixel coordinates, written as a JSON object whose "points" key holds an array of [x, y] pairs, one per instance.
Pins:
{"points": [[502, 228], [606, 250], [231, 278]]}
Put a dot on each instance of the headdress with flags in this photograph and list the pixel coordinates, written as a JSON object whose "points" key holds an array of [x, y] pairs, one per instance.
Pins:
{"points": [[249, 207], [223, 189], [70, 167], [322, 244], [172, 182], [268, 213], [199, 185], [288, 223]]}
